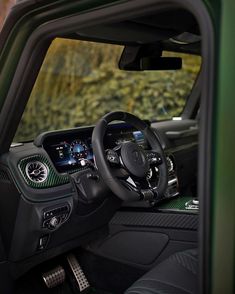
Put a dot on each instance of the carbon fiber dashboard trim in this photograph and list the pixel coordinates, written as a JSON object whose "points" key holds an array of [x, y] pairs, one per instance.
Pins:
{"points": [[53, 179], [4, 176], [164, 220]]}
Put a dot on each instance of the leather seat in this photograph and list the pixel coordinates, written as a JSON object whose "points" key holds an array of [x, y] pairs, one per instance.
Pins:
{"points": [[176, 275]]}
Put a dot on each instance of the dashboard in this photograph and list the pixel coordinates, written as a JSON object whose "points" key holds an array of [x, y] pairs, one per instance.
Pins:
{"points": [[72, 151], [49, 208], [53, 199]]}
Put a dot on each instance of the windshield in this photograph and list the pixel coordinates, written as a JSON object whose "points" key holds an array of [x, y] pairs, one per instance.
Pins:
{"points": [[80, 81]]}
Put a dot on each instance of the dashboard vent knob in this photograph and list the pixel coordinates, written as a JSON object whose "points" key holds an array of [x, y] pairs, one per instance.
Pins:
{"points": [[36, 171]]}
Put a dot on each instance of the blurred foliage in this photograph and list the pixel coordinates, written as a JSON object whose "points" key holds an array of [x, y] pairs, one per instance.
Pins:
{"points": [[79, 82], [5, 6]]}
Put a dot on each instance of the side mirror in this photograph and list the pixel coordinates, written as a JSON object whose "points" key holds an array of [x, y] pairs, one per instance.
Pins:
{"points": [[139, 58]]}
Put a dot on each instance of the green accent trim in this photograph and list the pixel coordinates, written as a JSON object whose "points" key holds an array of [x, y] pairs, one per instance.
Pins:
{"points": [[53, 179], [176, 203]]}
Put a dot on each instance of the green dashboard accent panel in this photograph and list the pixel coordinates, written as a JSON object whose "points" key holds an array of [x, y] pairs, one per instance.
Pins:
{"points": [[53, 178], [176, 203]]}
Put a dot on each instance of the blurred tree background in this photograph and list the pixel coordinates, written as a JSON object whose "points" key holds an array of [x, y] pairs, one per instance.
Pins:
{"points": [[5, 6], [79, 82]]}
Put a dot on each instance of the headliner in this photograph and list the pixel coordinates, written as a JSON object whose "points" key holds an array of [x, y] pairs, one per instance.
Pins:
{"points": [[175, 30]]}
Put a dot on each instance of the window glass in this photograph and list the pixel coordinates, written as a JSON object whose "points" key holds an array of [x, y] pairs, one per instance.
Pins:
{"points": [[80, 81]]}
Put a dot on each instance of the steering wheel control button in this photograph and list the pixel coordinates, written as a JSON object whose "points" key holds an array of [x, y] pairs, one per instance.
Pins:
{"points": [[134, 159], [113, 157], [53, 218], [154, 158]]}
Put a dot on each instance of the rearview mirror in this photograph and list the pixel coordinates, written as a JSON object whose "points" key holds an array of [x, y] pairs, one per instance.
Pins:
{"points": [[139, 58]]}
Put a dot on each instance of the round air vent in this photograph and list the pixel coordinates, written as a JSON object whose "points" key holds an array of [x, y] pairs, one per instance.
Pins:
{"points": [[170, 164], [36, 171]]}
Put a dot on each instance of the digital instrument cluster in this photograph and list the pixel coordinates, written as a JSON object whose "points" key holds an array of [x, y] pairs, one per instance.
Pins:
{"points": [[70, 155], [73, 151]]}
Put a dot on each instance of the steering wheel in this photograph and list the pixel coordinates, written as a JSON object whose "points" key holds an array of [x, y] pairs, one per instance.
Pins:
{"points": [[125, 167]]}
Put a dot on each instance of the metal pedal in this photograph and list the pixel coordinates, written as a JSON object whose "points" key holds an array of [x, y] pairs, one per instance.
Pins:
{"points": [[54, 277], [78, 273]]}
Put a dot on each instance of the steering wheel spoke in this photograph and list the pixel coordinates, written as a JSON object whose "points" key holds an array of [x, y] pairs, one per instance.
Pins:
{"points": [[154, 158], [115, 162], [131, 184]]}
